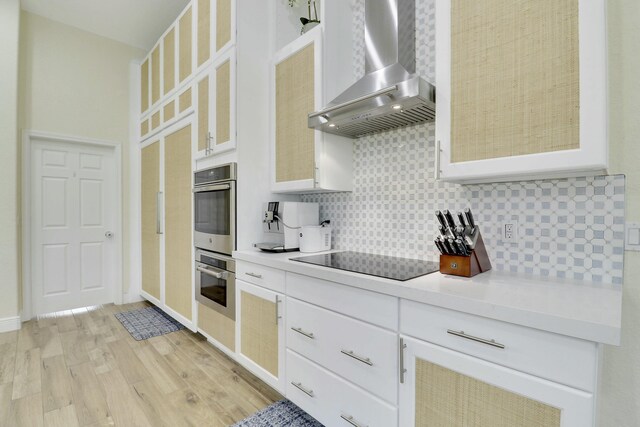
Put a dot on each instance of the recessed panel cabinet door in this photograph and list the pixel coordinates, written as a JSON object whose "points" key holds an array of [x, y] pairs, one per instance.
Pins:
{"points": [[150, 218], [260, 332], [155, 75], [225, 30], [204, 31], [521, 89], [185, 45], [204, 133], [178, 222], [144, 86], [444, 387], [169, 61]]}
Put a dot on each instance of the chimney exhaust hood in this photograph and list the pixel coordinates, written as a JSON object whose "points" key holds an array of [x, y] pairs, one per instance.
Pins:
{"points": [[390, 94]]}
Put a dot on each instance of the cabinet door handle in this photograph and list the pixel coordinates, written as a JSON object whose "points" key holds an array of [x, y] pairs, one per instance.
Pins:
{"points": [[350, 420], [436, 161], [159, 212], [402, 368], [305, 390], [257, 276], [301, 332], [362, 359], [277, 310], [461, 334]]}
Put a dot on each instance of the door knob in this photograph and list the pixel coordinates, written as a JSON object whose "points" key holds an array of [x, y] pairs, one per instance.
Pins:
{"points": [[108, 234]]}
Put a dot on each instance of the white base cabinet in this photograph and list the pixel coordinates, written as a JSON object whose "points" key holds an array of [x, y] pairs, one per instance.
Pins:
{"points": [[445, 387]]}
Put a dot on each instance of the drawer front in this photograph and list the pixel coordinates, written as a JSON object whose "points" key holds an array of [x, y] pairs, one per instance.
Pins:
{"points": [[332, 400], [559, 358], [260, 275], [372, 307], [364, 354]]}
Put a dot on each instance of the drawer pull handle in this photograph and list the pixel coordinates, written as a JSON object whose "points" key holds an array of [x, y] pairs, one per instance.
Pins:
{"points": [[301, 332], [257, 276], [364, 360], [350, 420], [306, 391], [461, 334]]}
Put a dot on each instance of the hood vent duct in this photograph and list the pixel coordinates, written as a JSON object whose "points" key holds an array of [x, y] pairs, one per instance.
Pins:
{"points": [[390, 94]]}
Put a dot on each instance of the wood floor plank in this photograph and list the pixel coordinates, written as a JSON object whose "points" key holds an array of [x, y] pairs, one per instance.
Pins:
{"points": [[102, 359], [164, 377], [194, 410], [6, 390], [27, 380], [9, 337], [62, 417], [88, 396], [7, 362], [26, 412], [122, 403], [128, 363], [49, 341], [154, 403], [26, 336], [66, 322], [161, 344], [73, 347], [56, 384], [47, 320]]}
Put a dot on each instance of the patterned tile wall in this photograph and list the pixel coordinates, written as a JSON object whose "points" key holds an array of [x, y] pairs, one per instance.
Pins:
{"points": [[569, 228]]}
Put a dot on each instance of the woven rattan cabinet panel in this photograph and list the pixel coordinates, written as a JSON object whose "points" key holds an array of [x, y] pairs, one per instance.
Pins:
{"points": [[144, 86], [150, 251], [204, 31], [259, 331], [203, 113], [449, 399], [223, 103], [217, 326], [185, 55], [515, 86], [169, 61], [223, 23], [178, 217], [294, 141], [184, 100], [155, 75]]}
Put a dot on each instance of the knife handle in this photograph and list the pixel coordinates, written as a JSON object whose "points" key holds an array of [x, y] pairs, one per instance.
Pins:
{"points": [[442, 230], [439, 246], [441, 219], [469, 216], [450, 221], [454, 248], [461, 219], [447, 248]]}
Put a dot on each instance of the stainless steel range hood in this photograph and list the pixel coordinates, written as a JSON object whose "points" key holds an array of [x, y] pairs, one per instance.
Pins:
{"points": [[391, 94]]}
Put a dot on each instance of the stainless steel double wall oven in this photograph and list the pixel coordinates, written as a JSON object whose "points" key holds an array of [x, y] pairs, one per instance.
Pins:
{"points": [[215, 237]]}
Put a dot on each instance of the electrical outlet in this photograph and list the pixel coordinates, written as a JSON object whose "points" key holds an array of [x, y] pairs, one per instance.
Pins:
{"points": [[510, 231]]}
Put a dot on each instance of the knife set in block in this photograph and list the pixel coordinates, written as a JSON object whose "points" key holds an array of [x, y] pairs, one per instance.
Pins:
{"points": [[462, 250]]}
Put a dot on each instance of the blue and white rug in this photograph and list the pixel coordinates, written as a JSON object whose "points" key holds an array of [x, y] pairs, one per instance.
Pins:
{"points": [[148, 322], [280, 414]]}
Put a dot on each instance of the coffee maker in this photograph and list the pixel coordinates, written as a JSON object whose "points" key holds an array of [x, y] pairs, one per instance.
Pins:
{"points": [[283, 220]]}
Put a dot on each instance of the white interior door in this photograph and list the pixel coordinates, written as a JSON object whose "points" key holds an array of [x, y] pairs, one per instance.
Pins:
{"points": [[73, 212]]}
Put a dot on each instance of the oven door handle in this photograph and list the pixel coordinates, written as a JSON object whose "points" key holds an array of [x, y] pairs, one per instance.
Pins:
{"points": [[220, 274], [217, 187]]}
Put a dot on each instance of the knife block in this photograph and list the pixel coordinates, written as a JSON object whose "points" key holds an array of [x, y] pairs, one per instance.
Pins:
{"points": [[467, 266]]}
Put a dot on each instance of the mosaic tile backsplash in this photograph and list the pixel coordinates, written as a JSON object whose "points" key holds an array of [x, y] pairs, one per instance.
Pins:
{"points": [[568, 228]]}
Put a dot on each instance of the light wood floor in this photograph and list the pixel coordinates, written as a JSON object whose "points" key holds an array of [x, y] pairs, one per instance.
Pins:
{"points": [[82, 368]]}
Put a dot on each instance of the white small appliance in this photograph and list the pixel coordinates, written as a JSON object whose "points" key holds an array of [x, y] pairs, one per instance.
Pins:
{"points": [[315, 238], [282, 222]]}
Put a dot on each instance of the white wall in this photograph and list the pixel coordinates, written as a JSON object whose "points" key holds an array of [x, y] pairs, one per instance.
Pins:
{"points": [[77, 83], [9, 31], [620, 395]]}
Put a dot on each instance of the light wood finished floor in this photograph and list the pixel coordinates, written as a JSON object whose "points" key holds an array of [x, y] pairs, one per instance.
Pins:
{"points": [[82, 368]]}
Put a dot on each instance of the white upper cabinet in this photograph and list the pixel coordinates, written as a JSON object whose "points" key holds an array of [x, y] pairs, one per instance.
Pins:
{"points": [[521, 90], [307, 73]]}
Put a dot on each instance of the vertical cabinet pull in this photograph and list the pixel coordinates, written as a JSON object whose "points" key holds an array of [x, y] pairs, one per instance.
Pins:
{"points": [[303, 389], [350, 420], [278, 310], [402, 369], [159, 212], [436, 173]]}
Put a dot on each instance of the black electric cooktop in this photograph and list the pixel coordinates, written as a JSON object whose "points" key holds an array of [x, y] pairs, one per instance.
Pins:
{"points": [[374, 265]]}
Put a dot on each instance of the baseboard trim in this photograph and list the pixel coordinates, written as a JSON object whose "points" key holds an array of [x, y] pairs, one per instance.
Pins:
{"points": [[9, 324]]}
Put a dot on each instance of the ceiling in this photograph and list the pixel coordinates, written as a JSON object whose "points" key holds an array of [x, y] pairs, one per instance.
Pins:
{"points": [[137, 23]]}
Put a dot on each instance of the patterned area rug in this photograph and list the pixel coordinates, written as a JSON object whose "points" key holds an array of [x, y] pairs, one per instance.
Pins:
{"points": [[280, 414], [148, 322]]}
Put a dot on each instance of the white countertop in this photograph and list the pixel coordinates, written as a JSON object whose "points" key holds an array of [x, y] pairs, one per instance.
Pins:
{"points": [[577, 309]]}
